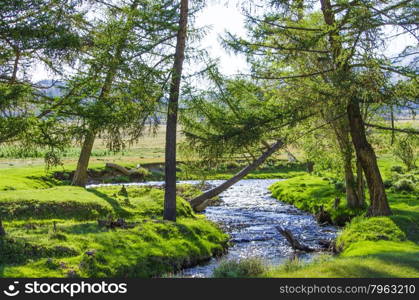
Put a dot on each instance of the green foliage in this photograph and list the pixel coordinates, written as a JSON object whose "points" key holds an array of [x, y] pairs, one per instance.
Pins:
{"points": [[405, 149], [397, 169], [404, 185], [249, 267], [32, 32]]}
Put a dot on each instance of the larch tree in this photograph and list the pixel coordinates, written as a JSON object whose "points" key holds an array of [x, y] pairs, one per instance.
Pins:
{"points": [[169, 212], [331, 50], [122, 77], [47, 33]]}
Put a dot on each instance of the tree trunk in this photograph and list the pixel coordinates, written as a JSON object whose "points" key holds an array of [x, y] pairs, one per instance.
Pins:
{"points": [[364, 152], [351, 188], [171, 126], [80, 176], [360, 183], [341, 129], [225, 185], [366, 155]]}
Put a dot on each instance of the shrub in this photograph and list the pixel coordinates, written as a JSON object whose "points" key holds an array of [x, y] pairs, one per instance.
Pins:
{"points": [[250, 267], [405, 150], [404, 185], [141, 173], [232, 165], [340, 186], [388, 183], [397, 169]]}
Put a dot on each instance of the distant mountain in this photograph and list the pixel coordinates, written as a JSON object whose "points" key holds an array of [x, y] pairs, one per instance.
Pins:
{"points": [[52, 88]]}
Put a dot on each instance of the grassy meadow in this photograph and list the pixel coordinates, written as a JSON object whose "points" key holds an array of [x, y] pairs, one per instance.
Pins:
{"points": [[53, 228]]}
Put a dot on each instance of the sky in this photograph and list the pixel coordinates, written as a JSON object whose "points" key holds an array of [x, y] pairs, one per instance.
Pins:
{"points": [[226, 15]]}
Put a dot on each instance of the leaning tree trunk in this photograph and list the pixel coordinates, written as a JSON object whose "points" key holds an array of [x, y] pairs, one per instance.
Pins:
{"points": [[80, 176], [169, 212], [240, 175], [366, 155]]}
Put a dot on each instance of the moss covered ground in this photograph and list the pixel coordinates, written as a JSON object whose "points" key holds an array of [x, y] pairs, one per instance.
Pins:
{"points": [[54, 232]]}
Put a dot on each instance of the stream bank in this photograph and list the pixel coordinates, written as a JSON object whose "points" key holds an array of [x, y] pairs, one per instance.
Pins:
{"points": [[249, 214]]}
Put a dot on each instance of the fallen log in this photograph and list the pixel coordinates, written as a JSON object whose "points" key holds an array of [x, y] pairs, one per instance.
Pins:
{"points": [[295, 244], [121, 169], [196, 202]]}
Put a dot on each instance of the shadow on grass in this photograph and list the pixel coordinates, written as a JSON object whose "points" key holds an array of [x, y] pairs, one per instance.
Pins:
{"points": [[46, 180], [356, 270], [408, 222], [406, 259], [84, 228], [116, 206]]}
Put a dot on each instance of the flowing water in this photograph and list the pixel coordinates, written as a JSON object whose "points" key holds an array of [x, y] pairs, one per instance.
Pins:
{"points": [[249, 215]]}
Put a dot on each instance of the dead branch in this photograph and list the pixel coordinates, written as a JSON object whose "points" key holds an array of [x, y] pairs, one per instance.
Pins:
{"points": [[295, 244]]}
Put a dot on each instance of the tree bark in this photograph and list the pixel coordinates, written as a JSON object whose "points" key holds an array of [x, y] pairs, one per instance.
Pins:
{"points": [[80, 176], [341, 129], [169, 212], [240, 175], [364, 152], [351, 188], [360, 183], [295, 244], [366, 155]]}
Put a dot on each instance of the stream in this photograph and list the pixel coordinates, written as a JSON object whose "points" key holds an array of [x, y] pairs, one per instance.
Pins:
{"points": [[249, 215]]}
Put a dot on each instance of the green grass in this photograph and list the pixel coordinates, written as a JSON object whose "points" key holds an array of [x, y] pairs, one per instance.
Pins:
{"points": [[152, 248], [309, 193], [25, 177], [245, 268], [30, 177], [69, 202], [379, 259], [35, 247], [281, 169], [370, 247]]}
